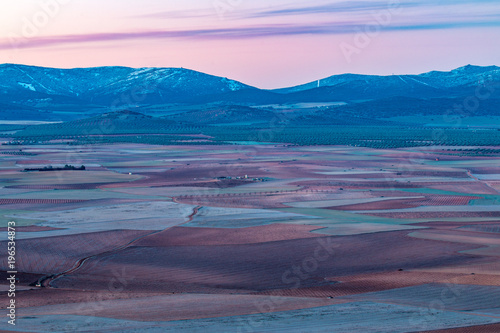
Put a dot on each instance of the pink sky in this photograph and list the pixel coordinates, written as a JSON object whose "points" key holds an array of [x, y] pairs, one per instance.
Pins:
{"points": [[268, 44]]}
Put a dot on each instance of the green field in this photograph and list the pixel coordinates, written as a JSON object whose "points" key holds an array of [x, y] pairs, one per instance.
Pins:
{"points": [[379, 137]]}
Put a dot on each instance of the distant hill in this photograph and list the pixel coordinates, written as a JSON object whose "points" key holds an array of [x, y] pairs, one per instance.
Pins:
{"points": [[225, 114], [432, 83], [407, 106], [50, 94], [114, 123], [335, 126], [108, 86]]}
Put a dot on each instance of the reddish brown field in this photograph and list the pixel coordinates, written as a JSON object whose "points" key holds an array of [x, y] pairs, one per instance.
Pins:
{"points": [[468, 187], [192, 272], [259, 267], [358, 185], [183, 236], [494, 328], [151, 307], [187, 174], [383, 204], [482, 227], [50, 296], [51, 255], [31, 228], [454, 224], [403, 174], [434, 215], [256, 200], [365, 283], [37, 201], [59, 186], [46, 205], [460, 235], [435, 200], [229, 183], [485, 170]]}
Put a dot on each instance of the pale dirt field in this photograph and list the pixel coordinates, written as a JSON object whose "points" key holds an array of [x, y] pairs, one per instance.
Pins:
{"points": [[389, 272]]}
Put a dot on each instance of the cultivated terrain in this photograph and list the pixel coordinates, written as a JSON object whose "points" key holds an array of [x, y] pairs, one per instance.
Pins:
{"points": [[351, 204]]}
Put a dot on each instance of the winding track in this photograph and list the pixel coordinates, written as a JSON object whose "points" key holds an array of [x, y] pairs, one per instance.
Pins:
{"points": [[46, 281], [469, 173]]}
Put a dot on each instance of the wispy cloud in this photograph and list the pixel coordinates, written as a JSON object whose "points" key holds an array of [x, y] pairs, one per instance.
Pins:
{"points": [[279, 11], [363, 6], [339, 7], [332, 7], [261, 31]]}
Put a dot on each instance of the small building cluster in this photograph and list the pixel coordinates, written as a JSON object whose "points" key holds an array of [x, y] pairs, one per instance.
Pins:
{"points": [[245, 177]]}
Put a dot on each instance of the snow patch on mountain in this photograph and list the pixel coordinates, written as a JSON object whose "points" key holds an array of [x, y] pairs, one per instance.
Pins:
{"points": [[27, 86], [233, 85]]}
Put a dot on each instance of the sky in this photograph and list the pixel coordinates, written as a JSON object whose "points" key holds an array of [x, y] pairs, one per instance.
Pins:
{"points": [[264, 43]]}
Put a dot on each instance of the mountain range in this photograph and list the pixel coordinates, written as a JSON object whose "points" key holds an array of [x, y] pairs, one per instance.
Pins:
{"points": [[38, 93]]}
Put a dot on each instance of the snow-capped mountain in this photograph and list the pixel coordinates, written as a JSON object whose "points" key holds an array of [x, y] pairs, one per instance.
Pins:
{"points": [[108, 85], [36, 93], [433, 83]]}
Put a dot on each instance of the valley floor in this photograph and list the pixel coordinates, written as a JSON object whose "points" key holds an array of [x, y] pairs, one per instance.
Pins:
{"points": [[252, 238]]}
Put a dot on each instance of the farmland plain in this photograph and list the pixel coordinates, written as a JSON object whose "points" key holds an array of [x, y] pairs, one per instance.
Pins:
{"points": [[252, 238]]}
